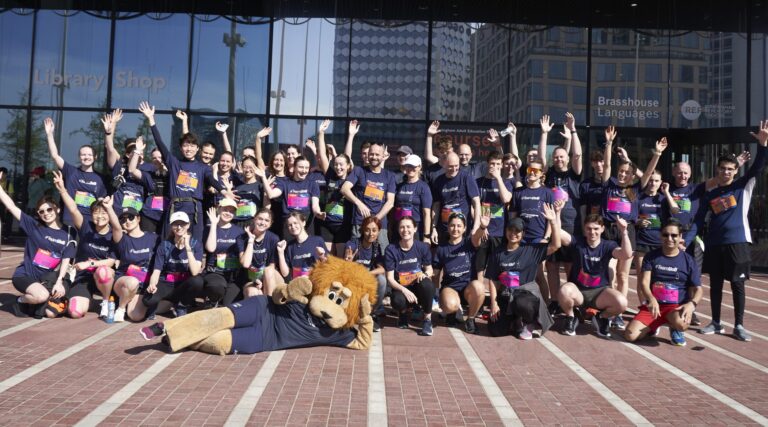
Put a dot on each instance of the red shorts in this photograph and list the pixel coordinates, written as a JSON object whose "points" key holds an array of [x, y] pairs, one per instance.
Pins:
{"points": [[644, 315]]}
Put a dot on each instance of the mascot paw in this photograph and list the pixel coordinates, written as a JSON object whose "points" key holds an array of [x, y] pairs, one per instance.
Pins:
{"points": [[365, 310], [297, 290]]}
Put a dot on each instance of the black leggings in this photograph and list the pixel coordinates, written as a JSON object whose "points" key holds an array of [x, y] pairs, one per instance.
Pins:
{"points": [[424, 291], [525, 308], [184, 292], [716, 298], [221, 287]]}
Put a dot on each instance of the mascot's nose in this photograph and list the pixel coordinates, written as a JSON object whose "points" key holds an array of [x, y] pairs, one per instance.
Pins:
{"points": [[326, 316]]}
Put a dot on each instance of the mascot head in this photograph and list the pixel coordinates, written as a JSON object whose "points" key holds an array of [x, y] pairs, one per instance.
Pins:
{"points": [[337, 287]]}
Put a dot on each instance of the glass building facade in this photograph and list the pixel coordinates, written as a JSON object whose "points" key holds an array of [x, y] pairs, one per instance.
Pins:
{"points": [[703, 89]]}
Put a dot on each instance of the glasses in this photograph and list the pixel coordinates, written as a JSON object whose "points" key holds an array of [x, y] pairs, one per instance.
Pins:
{"points": [[126, 218], [533, 171], [669, 235], [456, 215], [45, 211], [179, 224]]}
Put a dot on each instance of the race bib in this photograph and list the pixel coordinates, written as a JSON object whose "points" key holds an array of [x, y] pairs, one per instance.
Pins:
{"points": [[186, 181], [446, 212], [300, 272], [139, 273], [408, 277], [402, 212], [587, 280], [510, 279], [560, 194], [225, 262], [683, 203], [84, 199], [176, 277], [255, 274], [157, 203], [335, 209], [46, 260], [245, 209], [495, 211], [374, 191], [619, 205], [723, 203], [653, 219], [130, 201], [297, 201], [665, 293]]}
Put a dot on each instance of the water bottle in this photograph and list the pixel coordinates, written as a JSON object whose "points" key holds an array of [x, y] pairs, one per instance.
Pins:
{"points": [[111, 310], [505, 132]]}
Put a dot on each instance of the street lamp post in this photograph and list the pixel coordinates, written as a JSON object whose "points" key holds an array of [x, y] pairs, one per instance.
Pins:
{"points": [[232, 40]]}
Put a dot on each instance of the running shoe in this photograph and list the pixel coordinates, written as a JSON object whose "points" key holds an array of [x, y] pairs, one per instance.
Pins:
{"points": [[554, 308], [450, 320], [104, 312], [426, 328], [152, 331], [459, 315], [602, 326], [119, 315], [470, 327], [677, 337], [18, 308], [376, 324], [571, 323], [402, 320], [526, 333], [436, 306], [741, 334], [618, 323], [712, 328], [181, 310], [695, 319]]}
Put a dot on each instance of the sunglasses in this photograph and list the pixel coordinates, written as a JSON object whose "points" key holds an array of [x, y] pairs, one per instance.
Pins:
{"points": [[533, 171], [456, 215], [668, 235], [126, 218], [45, 211], [179, 224]]}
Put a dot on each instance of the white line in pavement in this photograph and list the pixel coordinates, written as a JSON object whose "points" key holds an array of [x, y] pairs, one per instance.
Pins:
{"points": [[377, 397], [726, 353], [492, 390], [242, 412], [733, 404], [762, 301], [612, 398], [58, 357], [21, 327], [758, 280], [121, 396]]}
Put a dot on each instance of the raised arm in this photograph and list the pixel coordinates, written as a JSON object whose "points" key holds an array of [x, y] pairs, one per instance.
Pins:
{"points": [[222, 129], [133, 163], [110, 127], [575, 149], [623, 252], [433, 130], [257, 144], [283, 265], [210, 242], [552, 215], [513, 143], [661, 145], [195, 265], [546, 127], [354, 128], [610, 135], [8, 202], [479, 234], [322, 154], [671, 203], [114, 221], [67, 200], [184, 121], [52, 148], [246, 256]]}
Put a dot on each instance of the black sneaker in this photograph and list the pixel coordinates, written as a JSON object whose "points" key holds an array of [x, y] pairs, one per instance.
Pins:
{"points": [[695, 319], [451, 321], [376, 324], [470, 327], [181, 310], [38, 311], [554, 308], [571, 323], [18, 308], [152, 331], [402, 320], [602, 326]]}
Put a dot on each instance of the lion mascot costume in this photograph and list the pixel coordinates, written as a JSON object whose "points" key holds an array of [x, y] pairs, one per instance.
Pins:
{"points": [[330, 307]]}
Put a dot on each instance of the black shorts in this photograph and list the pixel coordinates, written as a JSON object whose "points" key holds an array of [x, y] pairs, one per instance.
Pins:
{"points": [[459, 290], [21, 283], [84, 287], [149, 224], [645, 248], [485, 250], [563, 254], [334, 232], [590, 297], [612, 233], [732, 262]]}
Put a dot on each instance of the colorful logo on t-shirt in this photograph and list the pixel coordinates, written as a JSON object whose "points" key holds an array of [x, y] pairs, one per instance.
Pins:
{"points": [[665, 293], [245, 209], [84, 199], [402, 212], [256, 273], [227, 262], [186, 181], [374, 191], [683, 203], [493, 210], [46, 259], [588, 280], [176, 276], [297, 201], [510, 279], [335, 209], [131, 201], [405, 278], [300, 271], [139, 273], [447, 210], [653, 219], [158, 203], [619, 205], [723, 203], [560, 193]]}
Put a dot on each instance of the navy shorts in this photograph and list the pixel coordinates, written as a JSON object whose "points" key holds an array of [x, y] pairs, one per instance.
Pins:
{"points": [[247, 335]]}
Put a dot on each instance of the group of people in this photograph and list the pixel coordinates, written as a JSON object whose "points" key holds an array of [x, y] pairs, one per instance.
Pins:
{"points": [[177, 233]]}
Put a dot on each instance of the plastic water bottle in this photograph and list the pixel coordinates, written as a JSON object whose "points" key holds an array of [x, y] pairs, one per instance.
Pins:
{"points": [[111, 310], [505, 132]]}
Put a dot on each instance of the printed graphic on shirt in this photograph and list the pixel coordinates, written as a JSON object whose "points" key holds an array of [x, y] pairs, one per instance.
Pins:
{"points": [[374, 191], [723, 203], [186, 181]]}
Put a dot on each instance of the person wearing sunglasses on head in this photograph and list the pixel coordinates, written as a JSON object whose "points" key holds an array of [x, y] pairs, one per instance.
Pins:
{"points": [[47, 251], [135, 249], [671, 283]]}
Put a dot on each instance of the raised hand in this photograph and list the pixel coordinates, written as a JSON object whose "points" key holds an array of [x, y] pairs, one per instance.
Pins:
{"points": [[570, 122], [622, 153], [622, 223], [566, 133], [661, 144], [743, 157], [493, 136], [221, 127], [140, 145], [107, 122], [545, 124], [558, 205], [549, 212], [181, 115], [434, 128], [349, 255], [485, 218], [107, 202], [762, 134], [58, 181], [265, 131], [664, 187], [324, 126], [49, 126], [147, 110], [610, 134], [213, 217], [250, 234], [117, 115], [281, 245], [311, 145], [354, 127], [321, 254], [512, 128]]}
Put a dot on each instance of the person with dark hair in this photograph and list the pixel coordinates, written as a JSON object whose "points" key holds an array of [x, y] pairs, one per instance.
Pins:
{"points": [[208, 153], [408, 264], [154, 177], [516, 300], [414, 198], [47, 251], [591, 190], [292, 152], [258, 250], [495, 195], [82, 183], [367, 251], [588, 284], [188, 177], [454, 191], [251, 191], [728, 241], [671, 283], [298, 194], [222, 255], [436, 163], [297, 257], [94, 259]]}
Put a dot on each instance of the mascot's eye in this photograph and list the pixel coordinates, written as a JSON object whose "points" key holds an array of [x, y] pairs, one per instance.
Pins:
{"points": [[331, 295], [339, 301]]}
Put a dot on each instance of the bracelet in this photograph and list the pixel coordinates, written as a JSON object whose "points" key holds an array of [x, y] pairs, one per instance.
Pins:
{"points": [[695, 304], [107, 133], [574, 132], [656, 152]]}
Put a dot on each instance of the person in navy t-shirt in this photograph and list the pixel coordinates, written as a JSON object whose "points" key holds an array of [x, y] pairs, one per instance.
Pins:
{"points": [[297, 257], [222, 256], [251, 193], [47, 251], [82, 183], [258, 254], [588, 281], [454, 191], [671, 281], [368, 252], [413, 198], [298, 194], [495, 195]]}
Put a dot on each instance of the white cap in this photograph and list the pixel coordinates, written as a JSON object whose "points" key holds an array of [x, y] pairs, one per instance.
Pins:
{"points": [[179, 216], [412, 160]]}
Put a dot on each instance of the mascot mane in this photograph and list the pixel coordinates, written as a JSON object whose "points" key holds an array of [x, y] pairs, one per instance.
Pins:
{"points": [[352, 275]]}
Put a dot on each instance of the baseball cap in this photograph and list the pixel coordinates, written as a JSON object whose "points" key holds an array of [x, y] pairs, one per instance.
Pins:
{"points": [[405, 150], [128, 211], [412, 160], [179, 216], [227, 202]]}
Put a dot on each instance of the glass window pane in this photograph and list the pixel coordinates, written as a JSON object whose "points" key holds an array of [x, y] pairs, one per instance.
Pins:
{"points": [[308, 76], [388, 77], [71, 60], [229, 65], [759, 84], [151, 61], [469, 69], [620, 99], [15, 53], [393, 135], [135, 124], [13, 135], [297, 131]]}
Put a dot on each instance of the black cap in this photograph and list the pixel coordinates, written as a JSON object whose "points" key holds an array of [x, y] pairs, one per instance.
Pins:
{"points": [[405, 149], [128, 211], [517, 223]]}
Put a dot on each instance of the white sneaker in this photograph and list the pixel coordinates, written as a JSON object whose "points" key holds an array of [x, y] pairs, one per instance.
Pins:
{"points": [[119, 315], [459, 315], [526, 333], [436, 306], [104, 310]]}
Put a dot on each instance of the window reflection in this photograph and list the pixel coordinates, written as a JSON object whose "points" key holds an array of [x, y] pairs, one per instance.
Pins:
{"points": [[759, 85], [13, 136], [15, 49]]}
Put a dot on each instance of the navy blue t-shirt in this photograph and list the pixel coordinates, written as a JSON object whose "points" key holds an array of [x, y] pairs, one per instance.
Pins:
{"points": [[671, 276], [264, 253], [292, 325], [372, 189], [591, 196], [565, 186], [319, 178], [515, 268], [44, 248], [431, 173], [93, 246], [406, 264], [590, 265], [457, 263], [157, 201], [227, 255], [687, 199], [297, 196], [173, 261], [251, 200], [135, 254], [84, 187], [188, 178], [130, 192], [410, 199], [528, 204], [301, 257], [454, 195], [649, 208], [618, 203], [371, 257], [337, 208], [490, 200]]}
